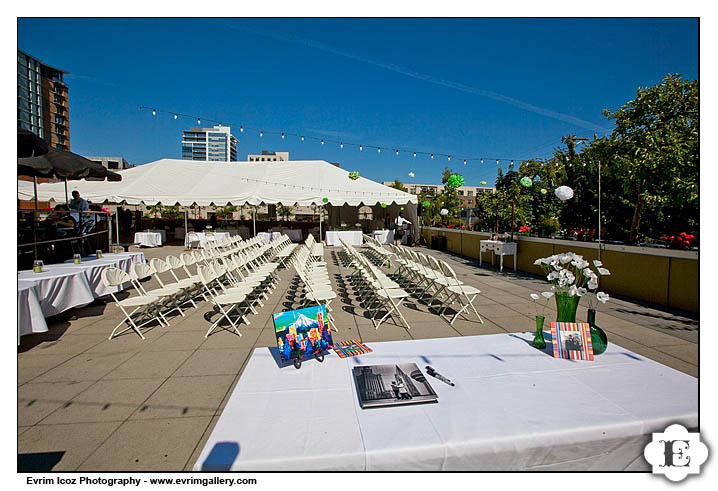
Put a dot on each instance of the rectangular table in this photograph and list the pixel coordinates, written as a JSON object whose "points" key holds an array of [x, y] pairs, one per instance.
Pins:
{"points": [[161, 231], [384, 236], [148, 239], [204, 237], [351, 237], [513, 408]]}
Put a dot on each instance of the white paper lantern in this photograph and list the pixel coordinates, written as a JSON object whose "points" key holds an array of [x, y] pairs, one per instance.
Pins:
{"points": [[411, 174], [444, 211], [564, 192]]}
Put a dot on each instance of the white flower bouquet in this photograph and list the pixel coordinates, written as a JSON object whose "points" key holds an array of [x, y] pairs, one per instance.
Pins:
{"points": [[571, 274]]}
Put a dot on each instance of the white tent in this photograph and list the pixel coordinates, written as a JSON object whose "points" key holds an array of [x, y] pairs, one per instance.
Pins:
{"points": [[187, 182]]}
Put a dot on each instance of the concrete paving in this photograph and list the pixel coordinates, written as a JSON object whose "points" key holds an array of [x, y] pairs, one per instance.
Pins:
{"points": [[86, 403]]}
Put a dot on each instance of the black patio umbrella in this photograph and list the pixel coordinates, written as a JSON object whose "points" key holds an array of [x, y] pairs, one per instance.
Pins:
{"points": [[59, 163], [29, 144]]}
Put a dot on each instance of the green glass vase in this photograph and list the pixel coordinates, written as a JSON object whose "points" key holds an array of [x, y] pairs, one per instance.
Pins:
{"points": [[566, 307], [538, 338], [599, 340]]}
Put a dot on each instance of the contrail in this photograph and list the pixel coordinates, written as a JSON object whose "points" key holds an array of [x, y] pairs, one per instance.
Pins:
{"points": [[566, 118]]}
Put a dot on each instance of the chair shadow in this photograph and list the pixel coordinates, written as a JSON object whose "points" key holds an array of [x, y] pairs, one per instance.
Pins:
{"points": [[38, 462]]}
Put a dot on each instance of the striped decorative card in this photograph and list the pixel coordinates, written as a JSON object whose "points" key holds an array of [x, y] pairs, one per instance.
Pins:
{"points": [[350, 348], [572, 340]]}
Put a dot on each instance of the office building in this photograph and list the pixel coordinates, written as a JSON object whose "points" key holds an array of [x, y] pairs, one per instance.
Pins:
{"points": [[467, 194], [42, 101], [267, 156], [215, 144], [111, 163]]}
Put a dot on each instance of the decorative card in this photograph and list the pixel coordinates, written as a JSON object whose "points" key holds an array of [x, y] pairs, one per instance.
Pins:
{"points": [[302, 333], [572, 340], [350, 348]]}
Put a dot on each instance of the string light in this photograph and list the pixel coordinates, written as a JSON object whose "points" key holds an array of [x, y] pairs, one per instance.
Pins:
{"points": [[176, 116]]}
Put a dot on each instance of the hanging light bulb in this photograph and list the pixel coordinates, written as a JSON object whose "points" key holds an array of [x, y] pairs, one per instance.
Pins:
{"points": [[482, 161], [361, 147], [261, 133], [397, 153], [341, 145], [282, 136], [322, 141], [302, 138], [414, 154], [448, 157], [241, 128], [154, 113], [432, 155], [220, 125], [198, 122], [497, 161], [464, 161], [175, 116], [378, 149]]}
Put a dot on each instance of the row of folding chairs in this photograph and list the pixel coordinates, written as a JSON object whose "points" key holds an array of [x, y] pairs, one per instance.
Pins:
{"points": [[374, 289], [314, 277], [376, 252], [425, 275], [316, 249], [178, 285], [284, 249]]}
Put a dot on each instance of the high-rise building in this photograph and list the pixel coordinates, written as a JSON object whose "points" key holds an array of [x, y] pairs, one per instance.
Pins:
{"points": [[267, 156], [42, 102], [215, 144]]}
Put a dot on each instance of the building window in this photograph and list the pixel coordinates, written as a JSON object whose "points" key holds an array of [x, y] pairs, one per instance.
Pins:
{"points": [[469, 193], [111, 164], [461, 193]]}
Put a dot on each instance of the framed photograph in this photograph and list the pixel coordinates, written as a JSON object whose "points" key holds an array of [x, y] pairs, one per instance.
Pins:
{"points": [[572, 340], [302, 333], [351, 348], [392, 385]]}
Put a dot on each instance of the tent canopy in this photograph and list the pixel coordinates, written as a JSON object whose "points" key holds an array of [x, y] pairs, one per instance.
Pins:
{"points": [[187, 182]]}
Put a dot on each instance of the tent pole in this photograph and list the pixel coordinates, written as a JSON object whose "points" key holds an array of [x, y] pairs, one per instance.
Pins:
{"points": [[34, 187], [254, 220], [67, 199], [321, 215], [186, 229], [34, 213], [117, 224]]}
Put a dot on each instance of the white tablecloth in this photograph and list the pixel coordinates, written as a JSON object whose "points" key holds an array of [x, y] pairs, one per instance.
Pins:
{"points": [[29, 313], [351, 237], [204, 238], [63, 286], [148, 239], [384, 236], [513, 408], [160, 231], [268, 236]]}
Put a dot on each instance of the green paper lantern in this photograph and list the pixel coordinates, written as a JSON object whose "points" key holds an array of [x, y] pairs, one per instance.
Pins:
{"points": [[543, 191], [383, 205], [325, 200], [402, 208], [455, 181], [525, 182], [483, 183], [426, 203], [354, 175]]}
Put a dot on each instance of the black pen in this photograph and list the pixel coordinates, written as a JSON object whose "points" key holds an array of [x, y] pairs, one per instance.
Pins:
{"points": [[435, 374]]}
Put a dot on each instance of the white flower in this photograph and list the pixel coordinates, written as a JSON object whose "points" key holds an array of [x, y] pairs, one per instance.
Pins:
{"points": [[592, 284], [602, 297], [572, 291], [538, 262], [535, 297], [597, 263], [582, 291], [547, 295], [565, 258], [603, 272], [553, 275]]}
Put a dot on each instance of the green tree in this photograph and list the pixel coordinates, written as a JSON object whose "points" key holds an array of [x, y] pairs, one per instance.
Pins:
{"points": [[285, 211], [399, 185], [657, 143]]}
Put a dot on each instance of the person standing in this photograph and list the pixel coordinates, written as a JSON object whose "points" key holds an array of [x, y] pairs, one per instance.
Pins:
{"points": [[400, 225]]}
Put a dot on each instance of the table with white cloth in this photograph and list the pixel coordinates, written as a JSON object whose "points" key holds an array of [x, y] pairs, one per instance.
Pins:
{"points": [[513, 408], [267, 237], [160, 231], [204, 237], [351, 237], [30, 318], [148, 239], [384, 236], [60, 287]]}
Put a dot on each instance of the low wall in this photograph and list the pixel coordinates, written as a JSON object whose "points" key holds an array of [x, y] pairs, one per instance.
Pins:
{"points": [[663, 276]]}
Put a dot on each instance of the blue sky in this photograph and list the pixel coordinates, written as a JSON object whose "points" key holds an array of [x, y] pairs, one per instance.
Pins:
{"points": [[491, 88]]}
